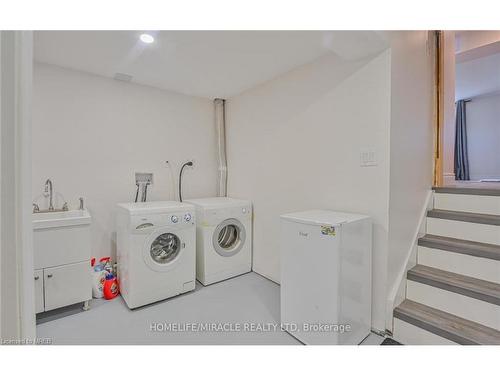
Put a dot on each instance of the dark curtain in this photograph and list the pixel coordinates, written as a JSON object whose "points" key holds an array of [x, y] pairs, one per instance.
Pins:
{"points": [[461, 155]]}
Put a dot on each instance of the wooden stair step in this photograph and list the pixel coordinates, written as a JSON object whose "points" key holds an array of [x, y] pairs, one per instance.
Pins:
{"points": [[464, 216], [478, 249], [468, 286], [451, 327], [467, 190]]}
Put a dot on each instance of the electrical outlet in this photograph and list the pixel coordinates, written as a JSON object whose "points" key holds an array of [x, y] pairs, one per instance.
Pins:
{"points": [[368, 158], [144, 178]]}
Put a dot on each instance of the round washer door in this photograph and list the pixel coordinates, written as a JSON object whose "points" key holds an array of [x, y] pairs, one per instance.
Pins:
{"points": [[229, 237], [162, 250]]}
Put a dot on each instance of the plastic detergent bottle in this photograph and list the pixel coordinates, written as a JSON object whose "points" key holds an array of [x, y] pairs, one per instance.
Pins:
{"points": [[99, 277], [110, 288]]}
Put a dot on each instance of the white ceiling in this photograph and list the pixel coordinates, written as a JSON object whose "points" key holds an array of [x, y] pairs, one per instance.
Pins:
{"points": [[200, 63]]}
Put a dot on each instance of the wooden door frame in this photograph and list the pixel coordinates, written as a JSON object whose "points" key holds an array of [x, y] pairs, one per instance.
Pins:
{"points": [[438, 87]]}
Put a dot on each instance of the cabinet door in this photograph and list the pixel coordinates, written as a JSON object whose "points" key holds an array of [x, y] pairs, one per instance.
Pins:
{"points": [[39, 307], [66, 285]]}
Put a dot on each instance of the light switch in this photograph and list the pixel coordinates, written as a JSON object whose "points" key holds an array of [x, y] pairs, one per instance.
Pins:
{"points": [[368, 158]]}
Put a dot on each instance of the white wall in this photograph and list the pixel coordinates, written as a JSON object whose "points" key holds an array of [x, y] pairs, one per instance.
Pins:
{"points": [[91, 134], [411, 145], [17, 301], [294, 144], [479, 80], [9, 258], [468, 40], [483, 132], [478, 77]]}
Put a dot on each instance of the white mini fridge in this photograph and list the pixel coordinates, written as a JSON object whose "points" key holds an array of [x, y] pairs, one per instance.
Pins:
{"points": [[326, 276]]}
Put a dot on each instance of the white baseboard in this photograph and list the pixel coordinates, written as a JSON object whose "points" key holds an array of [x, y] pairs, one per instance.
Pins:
{"points": [[468, 265], [397, 293], [408, 334], [464, 230], [475, 310], [481, 204]]}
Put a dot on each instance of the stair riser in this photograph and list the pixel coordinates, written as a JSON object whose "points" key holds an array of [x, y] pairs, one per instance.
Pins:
{"points": [[480, 268], [464, 230], [409, 334], [468, 203], [469, 308]]}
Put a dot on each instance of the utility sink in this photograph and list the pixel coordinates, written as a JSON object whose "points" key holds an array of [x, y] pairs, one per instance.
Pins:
{"points": [[45, 220], [61, 237], [62, 248]]}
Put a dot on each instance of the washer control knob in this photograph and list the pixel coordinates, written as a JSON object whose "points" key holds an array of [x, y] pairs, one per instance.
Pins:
{"points": [[187, 217], [174, 219], [244, 210]]}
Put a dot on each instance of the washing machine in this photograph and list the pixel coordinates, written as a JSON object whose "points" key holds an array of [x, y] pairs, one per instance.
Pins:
{"points": [[156, 251], [223, 238]]}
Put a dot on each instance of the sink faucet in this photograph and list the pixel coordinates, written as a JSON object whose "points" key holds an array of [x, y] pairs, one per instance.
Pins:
{"points": [[48, 189]]}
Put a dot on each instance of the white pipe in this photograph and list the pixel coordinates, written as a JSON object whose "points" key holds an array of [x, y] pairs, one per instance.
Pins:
{"points": [[220, 126]]}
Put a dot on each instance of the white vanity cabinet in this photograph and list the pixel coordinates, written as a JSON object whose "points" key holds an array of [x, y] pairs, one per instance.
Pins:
{"points": [[61, 242]]}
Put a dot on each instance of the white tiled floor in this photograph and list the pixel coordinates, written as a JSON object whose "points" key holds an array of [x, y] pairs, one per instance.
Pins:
{"points": [[246, 299]]}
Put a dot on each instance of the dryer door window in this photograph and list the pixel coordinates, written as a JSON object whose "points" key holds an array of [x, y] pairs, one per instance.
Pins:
{"points": [[229, 237], [165, 248]]}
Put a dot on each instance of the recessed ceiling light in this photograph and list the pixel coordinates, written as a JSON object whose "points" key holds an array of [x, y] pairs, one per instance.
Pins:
{"points": [[147, 38]]}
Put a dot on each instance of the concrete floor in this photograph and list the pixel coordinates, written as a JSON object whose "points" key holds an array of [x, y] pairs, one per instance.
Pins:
{"points": [[247, 299]]}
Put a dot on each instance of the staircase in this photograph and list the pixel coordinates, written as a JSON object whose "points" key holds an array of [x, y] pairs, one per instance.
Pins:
{"points": [[453, 293]]}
